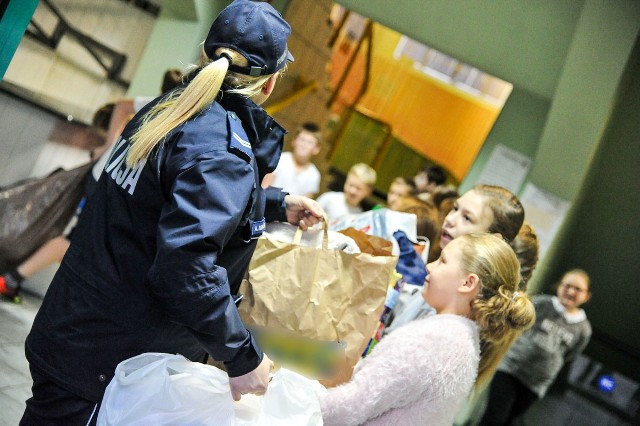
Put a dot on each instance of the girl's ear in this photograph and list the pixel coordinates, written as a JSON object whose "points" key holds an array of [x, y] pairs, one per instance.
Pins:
{"points": [[470, 285]]}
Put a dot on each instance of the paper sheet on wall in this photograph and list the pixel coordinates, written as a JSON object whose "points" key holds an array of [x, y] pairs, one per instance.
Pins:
{"points": [[545, 212], [506, 168]]}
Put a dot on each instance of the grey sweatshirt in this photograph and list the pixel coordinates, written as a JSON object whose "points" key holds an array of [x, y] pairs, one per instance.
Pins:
{"points": [[557, 337]]}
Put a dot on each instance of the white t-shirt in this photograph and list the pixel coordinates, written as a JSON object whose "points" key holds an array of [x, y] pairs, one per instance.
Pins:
{"points": [[335, 205], [293, 181]]}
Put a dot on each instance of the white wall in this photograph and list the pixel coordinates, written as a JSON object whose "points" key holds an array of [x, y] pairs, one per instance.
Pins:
{"points": [[69, 77]]}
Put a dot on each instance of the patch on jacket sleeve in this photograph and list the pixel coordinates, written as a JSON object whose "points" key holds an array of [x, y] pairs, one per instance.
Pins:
{"points": [[238, 141]]}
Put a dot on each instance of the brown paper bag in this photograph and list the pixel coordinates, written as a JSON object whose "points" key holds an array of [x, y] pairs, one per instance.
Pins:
{"points": [[319, 294]]}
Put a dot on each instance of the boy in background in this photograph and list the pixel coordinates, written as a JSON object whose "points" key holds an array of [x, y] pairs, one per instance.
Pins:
{"points": [[296, 174], [429, 178], [358, 186]]}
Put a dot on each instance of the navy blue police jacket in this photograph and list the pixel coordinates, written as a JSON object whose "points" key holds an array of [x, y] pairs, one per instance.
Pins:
{"points": [[159, 250]]}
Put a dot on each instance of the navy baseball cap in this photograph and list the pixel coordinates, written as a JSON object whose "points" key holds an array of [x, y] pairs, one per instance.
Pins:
{"points": [[255, 30]]}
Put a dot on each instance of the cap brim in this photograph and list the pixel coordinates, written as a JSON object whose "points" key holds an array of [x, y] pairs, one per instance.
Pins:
{"points": [[289, 56]]}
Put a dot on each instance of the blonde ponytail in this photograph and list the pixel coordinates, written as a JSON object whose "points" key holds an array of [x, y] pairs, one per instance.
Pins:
{"points": [[183, 104], [500, 311], [177, 109]]}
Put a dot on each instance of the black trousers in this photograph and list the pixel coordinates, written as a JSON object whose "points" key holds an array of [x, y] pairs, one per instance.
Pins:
{"points": [[508, 400], [53, 405]]}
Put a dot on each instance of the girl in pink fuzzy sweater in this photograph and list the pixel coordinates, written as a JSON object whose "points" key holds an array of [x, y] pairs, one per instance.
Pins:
{"points": [[421, 373]]}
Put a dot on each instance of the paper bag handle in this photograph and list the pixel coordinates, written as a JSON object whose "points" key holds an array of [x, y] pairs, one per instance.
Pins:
{"points": [[297, 237]]}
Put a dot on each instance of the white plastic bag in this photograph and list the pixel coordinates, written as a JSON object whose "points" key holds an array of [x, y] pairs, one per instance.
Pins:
{"points": [[381, 223], [285, 232], [291, 400], [162, 389]]}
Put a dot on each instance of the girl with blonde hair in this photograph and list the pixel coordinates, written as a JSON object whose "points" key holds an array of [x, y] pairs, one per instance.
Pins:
{"points": [[422, 372], [483, 208]]}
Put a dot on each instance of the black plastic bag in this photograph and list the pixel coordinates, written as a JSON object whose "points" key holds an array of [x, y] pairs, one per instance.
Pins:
{"points": [[33, 211]]}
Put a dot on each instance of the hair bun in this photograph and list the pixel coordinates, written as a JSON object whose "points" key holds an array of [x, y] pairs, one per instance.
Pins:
{"points": [[521, 314]]}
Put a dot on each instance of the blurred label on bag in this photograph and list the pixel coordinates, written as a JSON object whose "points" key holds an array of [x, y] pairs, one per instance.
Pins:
{"points": [[309, 357]]}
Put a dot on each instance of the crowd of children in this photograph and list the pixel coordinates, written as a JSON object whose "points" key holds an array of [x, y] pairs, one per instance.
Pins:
{"points": [[404, 372]]}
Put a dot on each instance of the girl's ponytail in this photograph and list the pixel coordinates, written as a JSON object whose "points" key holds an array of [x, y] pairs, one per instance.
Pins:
{"points": [[526, 247], [499, 309], [501, 317]]}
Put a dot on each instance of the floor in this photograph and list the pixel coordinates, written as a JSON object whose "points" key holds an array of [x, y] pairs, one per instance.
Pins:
{"points": [[15, 380]]}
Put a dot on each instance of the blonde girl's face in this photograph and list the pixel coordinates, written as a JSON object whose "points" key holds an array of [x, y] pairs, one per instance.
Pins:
{"points": [[444, 278], [355, 190], [470, 213], [573, 291]]}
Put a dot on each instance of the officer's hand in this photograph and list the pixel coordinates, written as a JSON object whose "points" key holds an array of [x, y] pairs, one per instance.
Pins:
{"points": [[303, 211], [255, 381]]}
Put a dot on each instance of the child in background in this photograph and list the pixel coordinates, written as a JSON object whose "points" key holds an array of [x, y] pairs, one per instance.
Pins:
{"points": [[484, 208], [296, 174], [422, 373], [429, 178], [400, 187], [427, 223], [560, 334], [357, 187]]}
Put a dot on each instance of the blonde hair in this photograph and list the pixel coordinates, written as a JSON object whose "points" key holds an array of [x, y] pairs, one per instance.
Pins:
{"points": [[499, 309], [508, 213], [365, 173], [183, 103]]}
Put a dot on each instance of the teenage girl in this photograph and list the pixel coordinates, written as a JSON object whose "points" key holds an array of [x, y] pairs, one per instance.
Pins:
{"points": [[560, 333], [484, 208], [422, 373]]}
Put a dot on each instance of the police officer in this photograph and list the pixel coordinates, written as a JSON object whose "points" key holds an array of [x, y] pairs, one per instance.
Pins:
{"points": [[168, 233]]}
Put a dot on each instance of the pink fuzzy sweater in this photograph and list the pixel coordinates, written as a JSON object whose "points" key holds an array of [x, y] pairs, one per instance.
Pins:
{"points": [[420, 374]]}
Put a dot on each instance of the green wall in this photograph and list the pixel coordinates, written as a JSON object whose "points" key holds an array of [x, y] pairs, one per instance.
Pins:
{"points": [[174, 42], [604, 231], [519, 126], [602, 42]]}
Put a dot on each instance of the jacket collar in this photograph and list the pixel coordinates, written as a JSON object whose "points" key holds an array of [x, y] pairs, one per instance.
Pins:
{"points": [[264, 133]]}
